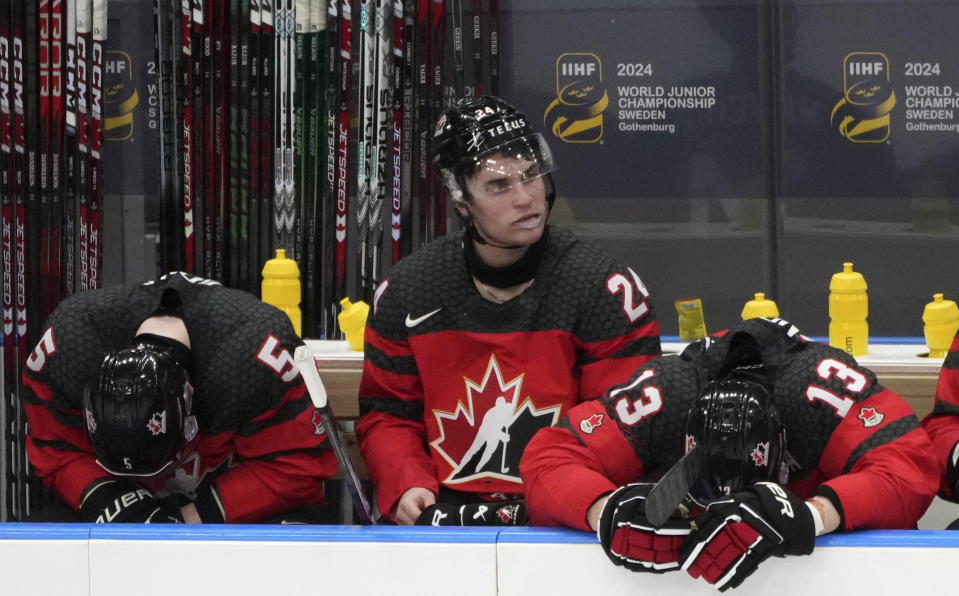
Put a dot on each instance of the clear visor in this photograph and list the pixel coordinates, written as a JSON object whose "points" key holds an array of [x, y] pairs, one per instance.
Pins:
{"points": [[500, 170]]}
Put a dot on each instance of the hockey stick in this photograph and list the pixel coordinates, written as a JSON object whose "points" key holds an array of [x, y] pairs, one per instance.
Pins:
{"points": [[57, 22], [365, 139], [220, 23], [476, 89], [234, 247], [252, 149], [383, 115], [306, 363], [44, 284], [314, 172], [7, 415], [438, 52], [458, 88], [267, 100], [494, 47], [71, 155], [96, 143], [341, 212], [396, 161], [241, 153], [673, 486]]}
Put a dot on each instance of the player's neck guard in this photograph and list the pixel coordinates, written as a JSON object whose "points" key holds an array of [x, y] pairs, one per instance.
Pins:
{"points": [[511, 275]]}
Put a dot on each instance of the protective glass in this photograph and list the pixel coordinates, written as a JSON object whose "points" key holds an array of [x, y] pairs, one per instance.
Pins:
{"points": [[499, 170]]}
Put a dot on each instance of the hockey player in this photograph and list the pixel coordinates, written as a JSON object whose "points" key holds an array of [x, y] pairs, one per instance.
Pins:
{"points": [[942, 424], [176, 400], [485, 336], [795, 437]]}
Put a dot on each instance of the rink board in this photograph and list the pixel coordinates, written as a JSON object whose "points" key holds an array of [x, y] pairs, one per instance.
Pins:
{"points": [[90, 560]]}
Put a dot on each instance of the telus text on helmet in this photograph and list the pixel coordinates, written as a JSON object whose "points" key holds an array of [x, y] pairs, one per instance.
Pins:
{"points": [[507, 126]]}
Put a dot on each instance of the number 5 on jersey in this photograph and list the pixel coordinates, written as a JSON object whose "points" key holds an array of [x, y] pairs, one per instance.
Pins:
{"points": [[634, 306]]}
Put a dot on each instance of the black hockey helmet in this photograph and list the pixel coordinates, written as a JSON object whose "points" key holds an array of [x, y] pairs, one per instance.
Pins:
{"points": [[739, 434], [471, 131], [137, 410]]}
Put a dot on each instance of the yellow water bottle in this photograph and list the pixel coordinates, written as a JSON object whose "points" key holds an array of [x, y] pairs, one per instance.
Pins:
{"points": [[692, 322], [848, 310], [941, 318], [281, 287], [352, 321], [760, 306]]}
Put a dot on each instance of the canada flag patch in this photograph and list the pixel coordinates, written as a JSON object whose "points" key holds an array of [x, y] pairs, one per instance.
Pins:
{"points": [[157, 423], [870, 417], [588, 425], [760, 454]]}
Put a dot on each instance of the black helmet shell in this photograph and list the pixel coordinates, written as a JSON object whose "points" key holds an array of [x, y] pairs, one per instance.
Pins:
{"points": [[137, 411], [740, 436], [471, 130]]}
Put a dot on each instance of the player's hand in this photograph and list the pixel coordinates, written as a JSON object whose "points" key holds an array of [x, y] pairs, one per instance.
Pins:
{"points": [[631, 541], [502, 513], [412, 504], [735, 534], [117, 500]]}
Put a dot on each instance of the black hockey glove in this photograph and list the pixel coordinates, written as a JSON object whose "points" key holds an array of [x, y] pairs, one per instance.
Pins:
{"points": [[631, 541], [117, 500], [503, 513], [734, 535]]}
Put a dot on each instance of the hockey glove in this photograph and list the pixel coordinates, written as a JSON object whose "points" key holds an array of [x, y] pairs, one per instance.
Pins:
{"points": [[116, 500], [734, 535], [631, 541], [504, 513]]}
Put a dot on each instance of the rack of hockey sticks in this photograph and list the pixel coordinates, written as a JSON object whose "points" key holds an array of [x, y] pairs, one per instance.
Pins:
{"points": [[297, 124], [51, 191], [307, 125]]}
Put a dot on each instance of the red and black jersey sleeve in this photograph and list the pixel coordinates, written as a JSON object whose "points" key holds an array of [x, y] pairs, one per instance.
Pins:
{"points": [[618, 334], [872, 458], [391, 429], [635, 429], [942, 424], [66, 358], [280, 452]]}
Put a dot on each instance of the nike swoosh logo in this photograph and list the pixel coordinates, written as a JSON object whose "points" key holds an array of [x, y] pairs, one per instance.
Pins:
{"points": [[410, 322]]}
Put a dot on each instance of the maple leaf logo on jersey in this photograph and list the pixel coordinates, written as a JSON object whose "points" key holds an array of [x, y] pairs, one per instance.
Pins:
{"points": [[157, 423], [484, 436], [690, 443], [507, 514], [760, 454], [870, 417], [588, 425]]}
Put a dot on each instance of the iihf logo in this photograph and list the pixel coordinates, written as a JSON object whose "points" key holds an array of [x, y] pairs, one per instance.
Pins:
{"points": [[122, 97], [576, 115], [863, 114]]}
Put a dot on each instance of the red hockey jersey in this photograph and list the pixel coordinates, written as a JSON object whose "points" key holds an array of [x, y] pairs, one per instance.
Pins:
{"points": [[942, 423], [847, 437], [257, 439], [454, 386]]}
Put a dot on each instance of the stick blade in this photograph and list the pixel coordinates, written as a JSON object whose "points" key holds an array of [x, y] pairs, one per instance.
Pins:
{"points": [[673, 486]]}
